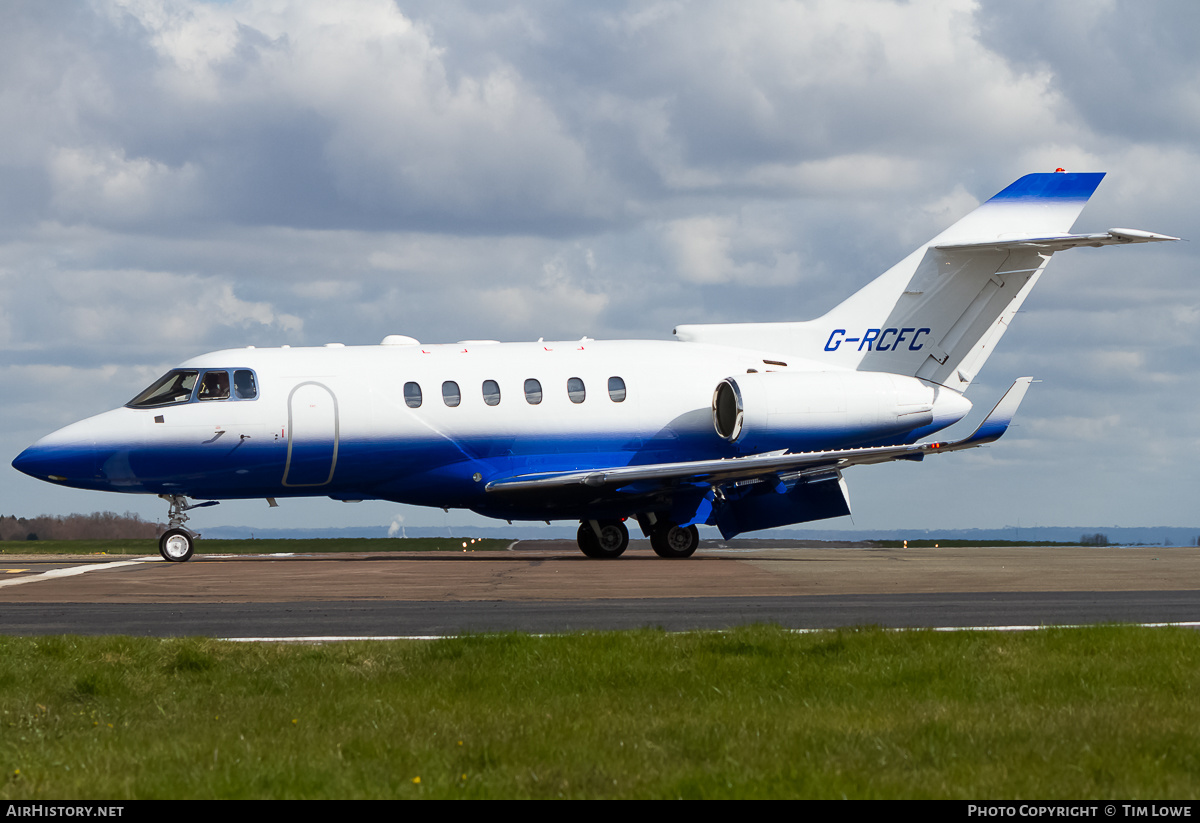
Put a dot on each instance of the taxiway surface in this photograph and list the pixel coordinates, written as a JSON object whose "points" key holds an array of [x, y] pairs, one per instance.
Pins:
{"points": [[547, 586]]}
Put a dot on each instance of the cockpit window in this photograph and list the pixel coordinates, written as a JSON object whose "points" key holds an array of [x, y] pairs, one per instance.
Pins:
{"points": [[173, 387], [214, 386], [244, 387], [187, 385]]}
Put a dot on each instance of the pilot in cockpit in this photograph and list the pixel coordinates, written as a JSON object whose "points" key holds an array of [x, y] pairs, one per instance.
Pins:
{"points": [[215, 386]]}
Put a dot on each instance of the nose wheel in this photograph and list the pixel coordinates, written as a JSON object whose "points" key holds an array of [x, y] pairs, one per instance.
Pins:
{"points": [[177, 544]]}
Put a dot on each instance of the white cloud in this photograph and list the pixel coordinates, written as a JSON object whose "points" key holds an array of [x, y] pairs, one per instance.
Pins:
{"points": [[39, 397], [123, 307], [398, 134], [106, 184], [560, 299], [700, 247]]}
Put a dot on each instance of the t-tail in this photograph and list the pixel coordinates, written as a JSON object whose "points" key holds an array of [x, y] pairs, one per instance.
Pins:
{"points": [[939, 313]]}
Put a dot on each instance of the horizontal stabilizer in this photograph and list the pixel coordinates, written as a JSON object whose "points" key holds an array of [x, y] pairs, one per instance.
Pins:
{"points": [[1058, 242]]}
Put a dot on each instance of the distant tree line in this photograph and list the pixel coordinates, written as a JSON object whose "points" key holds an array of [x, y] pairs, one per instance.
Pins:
{"points": [[1096, 539], [94, 526]]}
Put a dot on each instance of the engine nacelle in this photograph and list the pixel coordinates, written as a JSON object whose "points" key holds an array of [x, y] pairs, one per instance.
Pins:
{"points": [[782, 409]]}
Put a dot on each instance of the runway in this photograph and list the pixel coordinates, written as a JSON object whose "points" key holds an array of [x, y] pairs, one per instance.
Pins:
{"points": [[548, 586]]}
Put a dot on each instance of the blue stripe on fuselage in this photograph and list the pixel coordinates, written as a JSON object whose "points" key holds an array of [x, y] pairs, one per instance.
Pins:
{"points": [[430, 471]]}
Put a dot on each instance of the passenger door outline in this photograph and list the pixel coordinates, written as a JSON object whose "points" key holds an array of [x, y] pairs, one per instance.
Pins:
{"points": [[311, 444]]}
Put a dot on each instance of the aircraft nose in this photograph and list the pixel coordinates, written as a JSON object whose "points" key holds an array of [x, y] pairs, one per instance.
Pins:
{"points": [[28, 462], [91, 454], [66, 456], [57, 464]]}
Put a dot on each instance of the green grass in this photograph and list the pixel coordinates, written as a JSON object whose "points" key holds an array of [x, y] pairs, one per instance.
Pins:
{"points": [[272, 546], [1102, 712]]}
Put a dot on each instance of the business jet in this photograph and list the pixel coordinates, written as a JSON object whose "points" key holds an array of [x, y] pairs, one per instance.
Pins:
{"points": [[741, 426]]}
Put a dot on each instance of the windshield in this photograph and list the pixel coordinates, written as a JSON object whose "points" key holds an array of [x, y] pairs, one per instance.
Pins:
{"points": [[173, 387]]}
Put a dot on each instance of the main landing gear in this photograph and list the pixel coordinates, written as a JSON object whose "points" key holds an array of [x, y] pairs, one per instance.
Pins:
{"points": [[669, 540], [602, 538], [609, 538], [177, 544]]}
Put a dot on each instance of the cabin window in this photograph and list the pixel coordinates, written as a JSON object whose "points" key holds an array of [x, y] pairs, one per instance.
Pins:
{"points": [[214, 386], [451, 394], [616, 389], [491, 392], [173, 387], [533, 392], [412, 395], [244, 385], [576, 390]]}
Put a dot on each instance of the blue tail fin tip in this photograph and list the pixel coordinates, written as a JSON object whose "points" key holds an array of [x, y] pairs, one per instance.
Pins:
{"points": [[1052, 186]]}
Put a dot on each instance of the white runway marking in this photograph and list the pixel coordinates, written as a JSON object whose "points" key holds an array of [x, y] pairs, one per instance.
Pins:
{"points": [[73, 570], [343, 639], [1188, 625]]}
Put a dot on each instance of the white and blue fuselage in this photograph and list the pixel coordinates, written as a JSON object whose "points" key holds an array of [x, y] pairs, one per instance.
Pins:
{"points": [[435, 424]]}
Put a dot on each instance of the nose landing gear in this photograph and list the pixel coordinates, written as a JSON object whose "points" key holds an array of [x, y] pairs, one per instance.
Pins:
{"points": [[177, 543]]}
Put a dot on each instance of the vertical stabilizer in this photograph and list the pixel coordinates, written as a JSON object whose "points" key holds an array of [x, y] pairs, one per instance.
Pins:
{"points": [[938, 313]]}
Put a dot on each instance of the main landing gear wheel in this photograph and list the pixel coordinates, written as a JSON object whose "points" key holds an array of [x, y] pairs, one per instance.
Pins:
{"points": [[675, 541], [176, 545], [613, 538]]}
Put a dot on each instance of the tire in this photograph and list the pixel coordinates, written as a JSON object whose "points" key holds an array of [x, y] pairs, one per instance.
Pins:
{"points": [[613, 540], [176, 545], [675, 541]]}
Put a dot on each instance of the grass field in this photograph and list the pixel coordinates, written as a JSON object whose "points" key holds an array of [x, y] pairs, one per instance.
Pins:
{"points": [[1105, 712], [273, 546]]}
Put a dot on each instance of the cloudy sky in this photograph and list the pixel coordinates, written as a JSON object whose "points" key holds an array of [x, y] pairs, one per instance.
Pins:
{"points": [[178, 177]]}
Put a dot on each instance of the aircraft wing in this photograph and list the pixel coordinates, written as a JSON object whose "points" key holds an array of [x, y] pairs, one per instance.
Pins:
{"points": [[717, 472]]}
